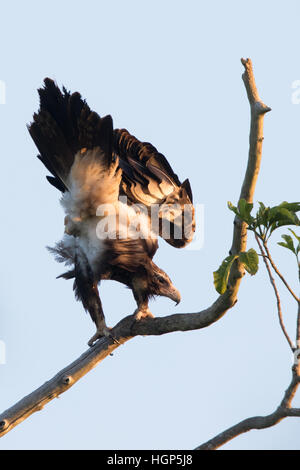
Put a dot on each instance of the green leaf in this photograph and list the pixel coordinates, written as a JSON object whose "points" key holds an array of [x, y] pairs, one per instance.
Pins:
{"points": [[222, 274], [250, 261], [278, 213], [282, 216], [245, 209], [289, 244], [232, 208], [291, 206], [262, 207], [298, 239], [262, 215], [296, 236]]}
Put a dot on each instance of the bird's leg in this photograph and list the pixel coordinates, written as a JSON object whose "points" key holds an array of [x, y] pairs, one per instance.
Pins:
{"points": [[86, 290], [97, 315], [143, 312], [99, 319], [139, 289]]}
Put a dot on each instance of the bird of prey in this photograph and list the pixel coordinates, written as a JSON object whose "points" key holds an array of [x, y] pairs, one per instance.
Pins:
{"points": [[113, 187]]}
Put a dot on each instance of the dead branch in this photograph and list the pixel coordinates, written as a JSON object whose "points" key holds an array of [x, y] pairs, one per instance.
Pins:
{"points": [[284, 410]]}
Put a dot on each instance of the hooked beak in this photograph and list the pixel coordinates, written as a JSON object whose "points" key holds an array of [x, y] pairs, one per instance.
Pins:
{"points": [[174, 295]]}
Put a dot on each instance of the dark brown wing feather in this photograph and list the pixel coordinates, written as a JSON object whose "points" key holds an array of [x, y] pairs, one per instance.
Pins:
{"points": [[149, 179], [64, 125]]}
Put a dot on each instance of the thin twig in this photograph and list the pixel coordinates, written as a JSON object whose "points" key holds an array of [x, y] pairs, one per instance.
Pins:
{"points": [[298, 327], [272, 280], [279, 273], [284, 410]]}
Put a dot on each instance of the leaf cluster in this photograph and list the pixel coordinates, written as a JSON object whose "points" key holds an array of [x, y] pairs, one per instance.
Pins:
{"points": [[267, 219], [249, 260], [263, 224]]}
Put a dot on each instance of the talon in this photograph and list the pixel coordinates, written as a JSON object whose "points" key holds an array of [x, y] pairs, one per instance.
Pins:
{"points": [[99, 334], [115, 340], [139, 314]]}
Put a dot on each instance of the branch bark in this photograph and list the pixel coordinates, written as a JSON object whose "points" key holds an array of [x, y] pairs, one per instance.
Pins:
{"points": [[128, 327], [284, 410]]}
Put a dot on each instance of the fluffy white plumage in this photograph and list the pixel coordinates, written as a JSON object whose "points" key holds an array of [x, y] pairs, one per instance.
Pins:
{"points": [[93, 210]]}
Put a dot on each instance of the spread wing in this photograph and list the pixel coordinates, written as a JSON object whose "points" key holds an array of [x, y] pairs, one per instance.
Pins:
{"points": [[76, 146], [80, 150], [148, 179]]}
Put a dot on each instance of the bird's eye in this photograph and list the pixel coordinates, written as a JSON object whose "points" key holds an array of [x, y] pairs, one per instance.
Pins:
{"points": [[161, 279]]}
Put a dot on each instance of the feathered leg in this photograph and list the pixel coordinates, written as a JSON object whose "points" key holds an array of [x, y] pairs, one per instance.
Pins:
{"points": [[86, 290], [139, 289]]}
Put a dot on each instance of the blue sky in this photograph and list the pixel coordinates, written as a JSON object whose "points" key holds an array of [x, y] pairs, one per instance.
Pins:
{"points": [[170, 73]]}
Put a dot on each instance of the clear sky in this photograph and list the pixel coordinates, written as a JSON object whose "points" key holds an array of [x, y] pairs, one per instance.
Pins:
{"points": [[170, 73]]}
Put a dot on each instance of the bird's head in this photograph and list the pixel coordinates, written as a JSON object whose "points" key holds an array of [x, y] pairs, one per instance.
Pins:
{"points": [[161, 284]]}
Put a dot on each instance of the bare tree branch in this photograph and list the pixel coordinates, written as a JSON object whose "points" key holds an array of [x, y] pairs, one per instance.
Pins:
{"points": [[128, 327], [284, 410], [122, 332], [258, 110]]}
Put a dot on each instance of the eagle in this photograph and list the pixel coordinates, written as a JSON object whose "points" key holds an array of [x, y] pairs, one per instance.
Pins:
{"points": [[119, 195]]}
